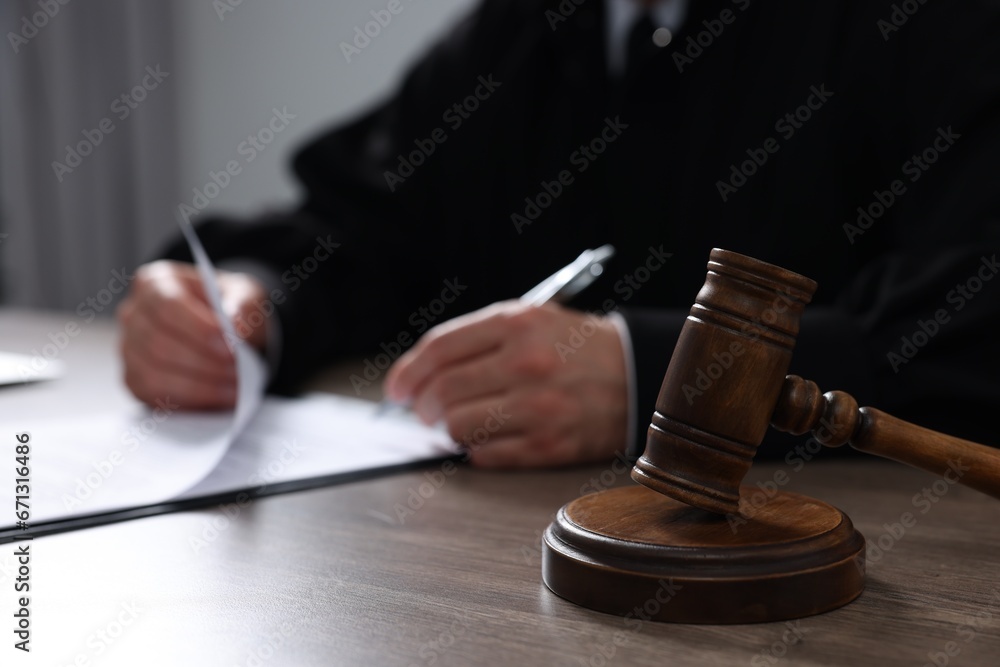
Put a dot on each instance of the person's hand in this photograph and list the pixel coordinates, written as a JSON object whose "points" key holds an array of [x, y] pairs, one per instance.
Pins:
{"points": [[520, 386], [171, 342]]}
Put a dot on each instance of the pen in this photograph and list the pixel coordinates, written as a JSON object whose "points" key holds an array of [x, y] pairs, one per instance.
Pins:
{"points": [[561, 286]]}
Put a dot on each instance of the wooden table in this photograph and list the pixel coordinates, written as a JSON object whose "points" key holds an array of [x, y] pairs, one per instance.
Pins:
{"points": [[353, 575]]}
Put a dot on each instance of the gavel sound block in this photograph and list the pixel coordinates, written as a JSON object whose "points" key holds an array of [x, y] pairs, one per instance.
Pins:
{"points": [[683, 547]]}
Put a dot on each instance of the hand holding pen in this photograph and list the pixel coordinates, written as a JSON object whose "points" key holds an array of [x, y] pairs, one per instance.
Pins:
{"points": [[560, 287], [507, 383]]}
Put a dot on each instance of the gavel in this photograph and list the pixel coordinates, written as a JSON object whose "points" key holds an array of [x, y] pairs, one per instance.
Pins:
{"points": [[726, 382], [667, 549]]}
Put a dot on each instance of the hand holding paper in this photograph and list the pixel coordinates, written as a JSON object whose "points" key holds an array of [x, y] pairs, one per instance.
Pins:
{"points": [[143, 458], [172, 342]]}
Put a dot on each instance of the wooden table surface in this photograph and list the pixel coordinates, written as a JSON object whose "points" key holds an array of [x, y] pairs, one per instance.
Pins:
{"points": [[430, 569]]}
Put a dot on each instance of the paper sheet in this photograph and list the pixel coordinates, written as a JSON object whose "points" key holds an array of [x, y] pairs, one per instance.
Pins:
{"points": [[108, 462], [17, 368], [114, 461], [251, 373], [316, 436]]}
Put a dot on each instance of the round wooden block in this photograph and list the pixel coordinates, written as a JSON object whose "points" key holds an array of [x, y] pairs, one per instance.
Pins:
{"points": [[640, 554]]}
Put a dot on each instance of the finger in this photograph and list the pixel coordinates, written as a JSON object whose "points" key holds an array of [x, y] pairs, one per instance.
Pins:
{"points": [[464, 381], [125, 311], [539, 419], [151, 383], [490, 417], [184, 315], [519, 452], [168, 274], [241, 295], [166, 349], [461, 338], [510, 366]]}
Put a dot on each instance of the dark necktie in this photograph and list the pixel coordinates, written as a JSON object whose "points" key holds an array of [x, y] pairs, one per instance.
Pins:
{"points": [[640, 47]]}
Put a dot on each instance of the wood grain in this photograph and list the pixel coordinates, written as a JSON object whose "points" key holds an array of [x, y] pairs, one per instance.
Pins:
{"points": [[643, 555], [835, 419], [458, 582], [725, 375], [464, 571]]}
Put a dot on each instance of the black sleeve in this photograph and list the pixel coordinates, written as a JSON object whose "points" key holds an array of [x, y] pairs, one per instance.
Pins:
{"points": [[915, 332], [927, 306], [347, 266]]}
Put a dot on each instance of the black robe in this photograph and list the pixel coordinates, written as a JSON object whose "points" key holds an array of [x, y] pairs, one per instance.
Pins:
{"points": [[833, 139]]}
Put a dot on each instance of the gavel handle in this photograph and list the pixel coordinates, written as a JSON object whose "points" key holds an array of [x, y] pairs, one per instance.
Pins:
{"points": [[971, 464], [835, 419]]}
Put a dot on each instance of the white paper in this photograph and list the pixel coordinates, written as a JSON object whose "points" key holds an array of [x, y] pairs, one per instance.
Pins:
{"points": [[17, 368], [109, 462], [319, 435], [114, 461], [251, 373]]}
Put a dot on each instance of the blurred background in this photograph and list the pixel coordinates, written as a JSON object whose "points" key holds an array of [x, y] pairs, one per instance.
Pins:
{"points": [[113, 113]]}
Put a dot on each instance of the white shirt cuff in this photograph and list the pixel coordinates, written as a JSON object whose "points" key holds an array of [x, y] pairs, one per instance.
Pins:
{"points": [[621, 326]]}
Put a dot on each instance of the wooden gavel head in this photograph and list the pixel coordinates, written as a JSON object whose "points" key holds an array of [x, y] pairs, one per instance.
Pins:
{"points": [[792, 557], [723, 382]]}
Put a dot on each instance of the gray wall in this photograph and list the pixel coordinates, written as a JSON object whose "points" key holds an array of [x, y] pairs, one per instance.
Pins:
{"points": [[267, 54], [63, 239]]}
